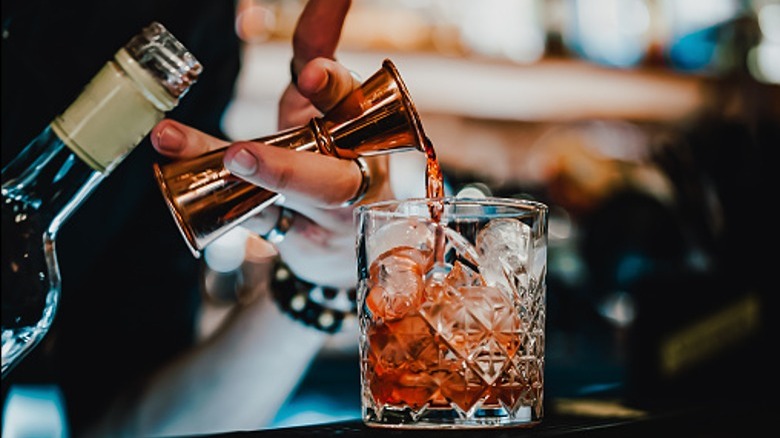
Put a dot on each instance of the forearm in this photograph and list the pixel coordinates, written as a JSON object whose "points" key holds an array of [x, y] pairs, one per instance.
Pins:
{"points": [[237, 379]]}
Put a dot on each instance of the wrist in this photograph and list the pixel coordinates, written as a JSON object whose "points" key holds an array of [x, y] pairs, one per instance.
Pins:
{"points": [[324, 308]]}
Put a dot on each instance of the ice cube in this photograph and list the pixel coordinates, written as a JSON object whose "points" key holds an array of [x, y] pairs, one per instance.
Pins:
{"points": [[401, 233], [396, 282], [463, 248], [503, 247], [462, 276]]}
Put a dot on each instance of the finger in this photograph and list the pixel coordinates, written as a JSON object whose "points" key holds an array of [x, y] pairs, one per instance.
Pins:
{"points": [[322, 180], [325, 83], [295, 109], [177, 140], [340, 219], [322, 84], [318, 30]]}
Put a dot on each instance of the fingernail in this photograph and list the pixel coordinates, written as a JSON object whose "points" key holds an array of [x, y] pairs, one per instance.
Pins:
{"points": [[242, 163], [170, 139]]}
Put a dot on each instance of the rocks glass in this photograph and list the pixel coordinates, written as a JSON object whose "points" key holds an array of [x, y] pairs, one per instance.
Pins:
{"points": [[451, 304]]}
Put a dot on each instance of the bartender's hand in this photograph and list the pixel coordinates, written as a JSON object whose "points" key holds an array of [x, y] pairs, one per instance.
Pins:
{"points": [[319, 244]]}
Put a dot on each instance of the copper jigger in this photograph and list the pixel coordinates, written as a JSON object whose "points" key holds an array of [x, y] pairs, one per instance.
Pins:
{"points": [[206, 200]]}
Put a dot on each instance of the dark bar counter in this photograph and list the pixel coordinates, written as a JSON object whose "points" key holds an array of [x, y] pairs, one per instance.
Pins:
{"points": [[581, 418]]}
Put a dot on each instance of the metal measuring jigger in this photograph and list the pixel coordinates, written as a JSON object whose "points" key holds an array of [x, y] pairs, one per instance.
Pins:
{"points": [[206, 200]]}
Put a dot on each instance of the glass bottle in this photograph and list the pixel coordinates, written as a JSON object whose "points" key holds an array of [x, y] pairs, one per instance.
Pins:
{"points": [[57, 171]]}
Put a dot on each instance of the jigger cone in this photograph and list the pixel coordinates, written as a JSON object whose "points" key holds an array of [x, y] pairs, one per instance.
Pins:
{"points": [[206, 200]]}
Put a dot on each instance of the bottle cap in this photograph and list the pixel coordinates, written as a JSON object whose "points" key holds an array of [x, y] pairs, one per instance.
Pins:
{"points": [[161, 54]]}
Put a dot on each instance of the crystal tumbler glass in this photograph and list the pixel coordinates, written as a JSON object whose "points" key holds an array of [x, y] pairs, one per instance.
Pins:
{"points": [[451, 304]]}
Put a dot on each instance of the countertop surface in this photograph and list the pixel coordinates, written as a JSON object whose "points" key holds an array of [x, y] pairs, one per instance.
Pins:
{"points": [[581, 417]]}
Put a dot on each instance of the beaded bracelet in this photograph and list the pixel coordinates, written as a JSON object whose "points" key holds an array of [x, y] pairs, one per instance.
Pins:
{"points": [[324, 308]]}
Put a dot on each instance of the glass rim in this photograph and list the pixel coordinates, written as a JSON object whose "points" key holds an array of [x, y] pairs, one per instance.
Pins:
{"points": [[381, 207]]}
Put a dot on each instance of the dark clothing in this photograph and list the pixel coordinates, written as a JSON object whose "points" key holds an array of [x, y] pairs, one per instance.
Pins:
{"points": [[129, 283]]}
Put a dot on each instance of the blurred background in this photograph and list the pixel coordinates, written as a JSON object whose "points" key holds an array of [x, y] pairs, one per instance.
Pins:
{"points": [[645, 125]]}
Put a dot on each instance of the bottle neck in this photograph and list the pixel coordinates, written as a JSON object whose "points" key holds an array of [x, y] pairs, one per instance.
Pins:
{"points": [[113, 114], [50, 178], [56, 172]]}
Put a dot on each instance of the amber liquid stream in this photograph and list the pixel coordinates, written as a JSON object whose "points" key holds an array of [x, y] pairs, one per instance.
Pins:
{"points": [[434, 190]]}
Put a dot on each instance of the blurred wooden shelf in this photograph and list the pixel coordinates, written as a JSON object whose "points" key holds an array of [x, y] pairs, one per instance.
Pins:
{"points": [[484, 116], [549, 90]]}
